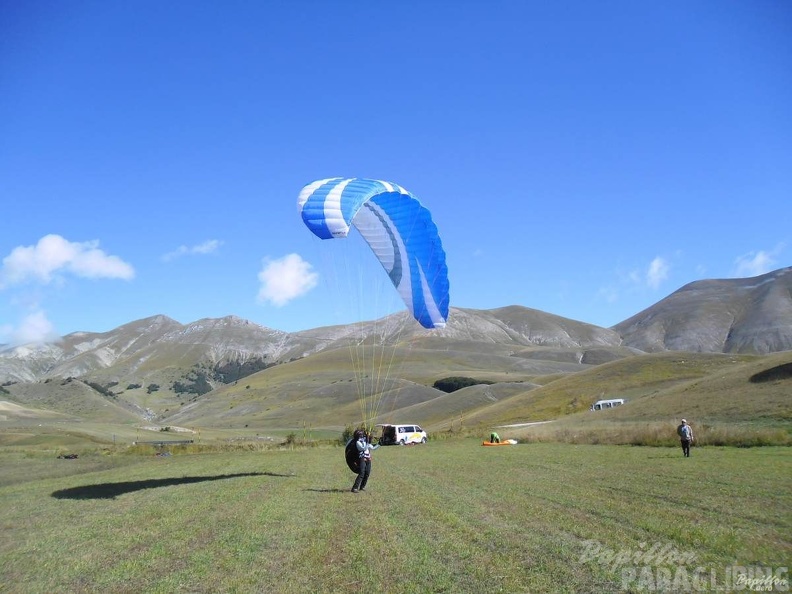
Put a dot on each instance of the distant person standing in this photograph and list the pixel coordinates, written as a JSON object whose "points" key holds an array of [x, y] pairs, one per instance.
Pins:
{"points": [[686, 435], [364, 449]]}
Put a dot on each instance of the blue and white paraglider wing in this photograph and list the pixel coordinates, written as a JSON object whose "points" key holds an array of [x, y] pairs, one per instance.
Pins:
{"points": [[398, 229]]}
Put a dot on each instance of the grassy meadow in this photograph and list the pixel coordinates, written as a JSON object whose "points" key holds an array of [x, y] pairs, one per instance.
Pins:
{"points": [[449, 516]]}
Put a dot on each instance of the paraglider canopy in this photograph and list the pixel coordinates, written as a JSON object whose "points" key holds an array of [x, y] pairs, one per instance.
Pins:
{"points": [[398, 229]]}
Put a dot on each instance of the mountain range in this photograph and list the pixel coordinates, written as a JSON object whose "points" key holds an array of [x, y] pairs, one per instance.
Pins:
{"points": [[166, 364], [746, 315]]}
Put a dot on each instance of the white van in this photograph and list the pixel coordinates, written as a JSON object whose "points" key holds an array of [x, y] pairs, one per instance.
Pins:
{"points": [[603, 404], [402, 434]]}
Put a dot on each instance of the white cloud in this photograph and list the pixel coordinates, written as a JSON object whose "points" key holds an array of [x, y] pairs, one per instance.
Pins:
{"points": [[207, 247], [35, 328], [609, 294], [756, 263], [53, 255], [285, 279], [635, 281], [658, 272]]}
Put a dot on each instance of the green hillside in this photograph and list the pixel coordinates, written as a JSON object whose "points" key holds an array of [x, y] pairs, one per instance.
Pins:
{"points": [[72, 398], [323, 389], [749, 392], [712, 387]]}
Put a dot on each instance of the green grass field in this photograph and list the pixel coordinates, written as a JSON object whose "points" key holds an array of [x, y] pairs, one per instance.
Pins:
{"points": [[450, 516]]}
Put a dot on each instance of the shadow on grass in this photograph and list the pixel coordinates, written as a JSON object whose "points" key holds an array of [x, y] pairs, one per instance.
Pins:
{"points": [[329, 490], [113, 490], [779, 372]]}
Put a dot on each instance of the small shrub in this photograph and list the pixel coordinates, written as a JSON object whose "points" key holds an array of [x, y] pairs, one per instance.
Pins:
{"points": [[104, 390], [197, 383], [452, 384], [232, 371], [347, 434]]}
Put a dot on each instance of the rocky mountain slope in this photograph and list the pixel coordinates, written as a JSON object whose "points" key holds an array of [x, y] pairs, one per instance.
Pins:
{"points": [[133, 350], [739, 315], [736, 315], [139, 350]]}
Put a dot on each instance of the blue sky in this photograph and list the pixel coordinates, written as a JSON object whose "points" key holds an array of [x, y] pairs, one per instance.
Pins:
{"points": [[581, 158]]}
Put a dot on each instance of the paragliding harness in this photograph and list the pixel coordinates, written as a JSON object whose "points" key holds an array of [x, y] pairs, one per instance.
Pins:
{"points": [[351, 456], [351, 453]]}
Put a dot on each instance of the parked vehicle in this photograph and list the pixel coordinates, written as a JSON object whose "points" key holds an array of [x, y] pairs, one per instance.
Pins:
{"points": [[402, 434], [603, 404]]}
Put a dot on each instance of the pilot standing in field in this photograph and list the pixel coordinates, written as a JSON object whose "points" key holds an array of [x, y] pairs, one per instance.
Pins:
{"points": [[364, 448], [686, 436]]}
